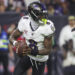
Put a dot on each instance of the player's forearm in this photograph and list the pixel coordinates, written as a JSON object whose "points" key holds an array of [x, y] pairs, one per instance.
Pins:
{"points": [[14, 35], [12, 39], [44, 51], [47, 45], [10, 48]]}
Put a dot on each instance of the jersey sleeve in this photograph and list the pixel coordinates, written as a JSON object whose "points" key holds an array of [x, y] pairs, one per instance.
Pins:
{"points": [[21, 25], [50, 29]]}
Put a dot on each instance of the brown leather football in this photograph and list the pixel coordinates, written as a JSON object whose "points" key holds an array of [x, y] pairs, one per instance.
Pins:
{"points": [[22, 48]]}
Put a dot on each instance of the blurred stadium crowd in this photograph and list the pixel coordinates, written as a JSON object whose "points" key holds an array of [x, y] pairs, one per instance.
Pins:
{"points": [[55, 7], [62, 57]]}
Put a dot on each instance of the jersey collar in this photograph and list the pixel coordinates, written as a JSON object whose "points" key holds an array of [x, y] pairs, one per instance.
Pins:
{"points": [[33, 28]]}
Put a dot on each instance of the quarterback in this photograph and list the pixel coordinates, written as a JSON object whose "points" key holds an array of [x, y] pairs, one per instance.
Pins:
{"points": [[38, 32]]}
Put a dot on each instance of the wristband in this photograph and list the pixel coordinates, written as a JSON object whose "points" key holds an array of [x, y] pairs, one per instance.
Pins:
{"points": [[14, 42]]}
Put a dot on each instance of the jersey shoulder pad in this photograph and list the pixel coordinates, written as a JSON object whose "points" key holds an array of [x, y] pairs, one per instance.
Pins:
{"points": [[49, 29], [26, 17], [23, 23], [51, 25]]}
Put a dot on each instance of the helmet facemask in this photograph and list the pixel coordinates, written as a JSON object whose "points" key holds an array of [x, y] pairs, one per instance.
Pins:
{"points": [[42, 18], [38, 14]]}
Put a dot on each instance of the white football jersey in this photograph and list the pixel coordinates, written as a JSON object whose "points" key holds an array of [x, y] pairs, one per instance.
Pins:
{"points": [[65, 35], [38, 35]]}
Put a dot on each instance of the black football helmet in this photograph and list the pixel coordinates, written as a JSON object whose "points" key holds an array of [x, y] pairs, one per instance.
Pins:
{"points": [[38, 12]]}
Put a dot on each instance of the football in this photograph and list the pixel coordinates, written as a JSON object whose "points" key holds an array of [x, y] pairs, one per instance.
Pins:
{"points": [[22, 48]]}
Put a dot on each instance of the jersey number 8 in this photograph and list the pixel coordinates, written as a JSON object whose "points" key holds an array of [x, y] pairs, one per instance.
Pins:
{"points": [[33, 44]]}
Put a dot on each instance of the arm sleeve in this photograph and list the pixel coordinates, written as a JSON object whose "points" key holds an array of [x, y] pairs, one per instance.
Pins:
{"points": [[21, 25], [51, 30]]}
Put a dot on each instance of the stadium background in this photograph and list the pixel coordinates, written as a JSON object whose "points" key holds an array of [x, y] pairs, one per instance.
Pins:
{"points": [[58, 11]]}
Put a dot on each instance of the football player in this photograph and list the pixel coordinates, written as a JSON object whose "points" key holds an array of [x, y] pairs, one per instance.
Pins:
{"points": [[38, 32]]}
